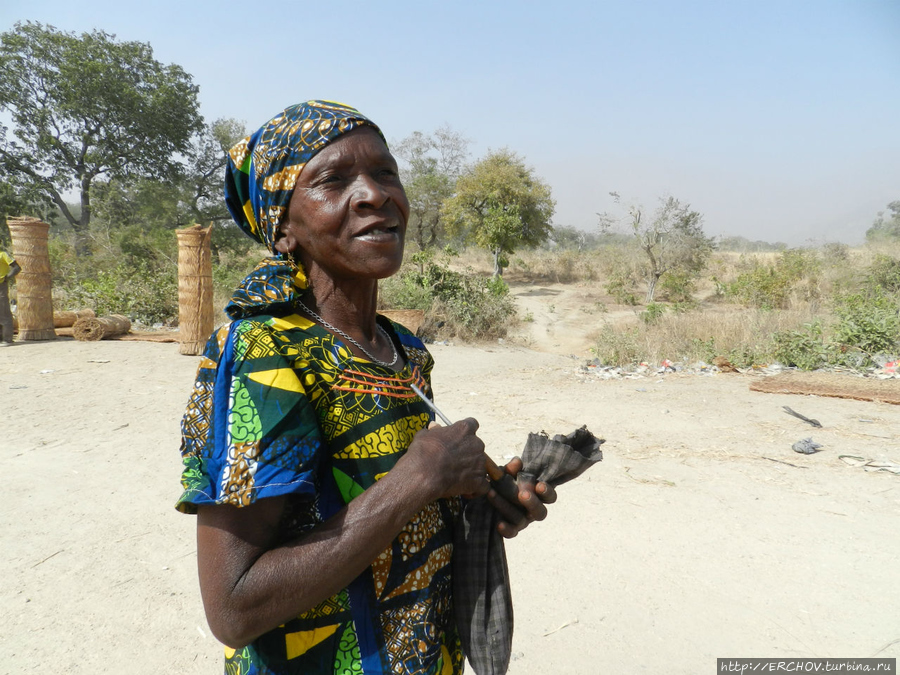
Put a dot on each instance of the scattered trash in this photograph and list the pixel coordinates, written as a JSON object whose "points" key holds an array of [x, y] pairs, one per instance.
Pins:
{"points": [[46, 372], [815, 423], [594, 368], [806, 447], [98, 360], [871, 464]]}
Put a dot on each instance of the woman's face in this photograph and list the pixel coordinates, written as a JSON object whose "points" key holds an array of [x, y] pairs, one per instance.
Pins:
{"points": [[347, 216]]}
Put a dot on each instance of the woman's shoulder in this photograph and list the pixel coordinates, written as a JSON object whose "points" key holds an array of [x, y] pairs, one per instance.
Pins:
{"points": [[265, 332]]}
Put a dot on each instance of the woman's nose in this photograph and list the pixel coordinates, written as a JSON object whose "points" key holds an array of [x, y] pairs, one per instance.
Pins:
{"points": [[368, 193]]}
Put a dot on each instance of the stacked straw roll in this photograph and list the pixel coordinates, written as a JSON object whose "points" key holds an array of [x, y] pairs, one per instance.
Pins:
{"points": [[91, 329], [195, 290], [65, 319], [34, 283]]}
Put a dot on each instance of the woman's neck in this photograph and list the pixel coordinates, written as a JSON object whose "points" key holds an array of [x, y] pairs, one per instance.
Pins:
{"points": [[350, 307]]}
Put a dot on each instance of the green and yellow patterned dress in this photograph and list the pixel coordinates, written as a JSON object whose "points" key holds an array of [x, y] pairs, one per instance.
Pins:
{"points": [[281, 407]]}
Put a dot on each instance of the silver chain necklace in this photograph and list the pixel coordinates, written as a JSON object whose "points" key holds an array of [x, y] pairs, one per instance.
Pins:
{"points": [[335, 329]]}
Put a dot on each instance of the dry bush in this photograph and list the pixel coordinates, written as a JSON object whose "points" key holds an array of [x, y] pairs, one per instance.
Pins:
{"points": [[741, 335], [564, 266]]}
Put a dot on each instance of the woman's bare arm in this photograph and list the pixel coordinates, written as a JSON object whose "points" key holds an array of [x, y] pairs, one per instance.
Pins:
{"points": [[249, 586]]}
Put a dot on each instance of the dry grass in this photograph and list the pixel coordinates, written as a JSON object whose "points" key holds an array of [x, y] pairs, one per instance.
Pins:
{"points": [[717, 325], [741, 335]]}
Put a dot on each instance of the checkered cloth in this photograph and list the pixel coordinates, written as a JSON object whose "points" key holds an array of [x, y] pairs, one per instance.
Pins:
{"points": [[481, 594]]}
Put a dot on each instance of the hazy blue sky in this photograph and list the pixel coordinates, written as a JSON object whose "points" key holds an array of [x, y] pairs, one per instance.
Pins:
{"points": [[777, 120]]}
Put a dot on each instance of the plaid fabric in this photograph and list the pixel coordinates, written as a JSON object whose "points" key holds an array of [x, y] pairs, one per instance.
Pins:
{"points": [[481, 595]]}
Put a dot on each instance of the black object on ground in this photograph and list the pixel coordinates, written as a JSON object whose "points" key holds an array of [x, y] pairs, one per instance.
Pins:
{"points": [[815, 423]]}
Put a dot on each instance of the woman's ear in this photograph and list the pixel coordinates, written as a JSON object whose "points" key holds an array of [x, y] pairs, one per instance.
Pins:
{"points": [[284, 241]]}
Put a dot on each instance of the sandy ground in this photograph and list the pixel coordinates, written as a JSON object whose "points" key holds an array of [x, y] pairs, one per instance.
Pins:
{"points": [[701, 534]]}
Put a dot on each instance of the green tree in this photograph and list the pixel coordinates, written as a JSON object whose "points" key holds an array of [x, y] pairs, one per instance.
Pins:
{"points": [[886, 226], [671, 238], [194, 196], [87, 108], [205, 170], [501, 205], [431, 165]]}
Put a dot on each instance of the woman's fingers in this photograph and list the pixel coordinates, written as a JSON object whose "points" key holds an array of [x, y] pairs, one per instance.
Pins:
{"points": [[451, 458], [546, 492], [529, 499], [512, 519]]}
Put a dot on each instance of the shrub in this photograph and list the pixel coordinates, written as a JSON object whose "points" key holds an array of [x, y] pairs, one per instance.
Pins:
{"points": [[652, 313], [617, 347], [462, 305], [621, 286], [868, 324], [883, 275], [770, 286], [144, 293], [678, 286], [805, 349]]}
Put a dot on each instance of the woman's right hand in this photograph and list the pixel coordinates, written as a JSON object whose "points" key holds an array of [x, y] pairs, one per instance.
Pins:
{"points": [[449, 459]]}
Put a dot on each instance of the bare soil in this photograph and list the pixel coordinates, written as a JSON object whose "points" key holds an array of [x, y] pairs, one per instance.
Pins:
{"points": [[700, 535]]}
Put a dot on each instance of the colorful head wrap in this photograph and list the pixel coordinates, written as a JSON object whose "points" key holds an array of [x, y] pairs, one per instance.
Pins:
{"points": [[259, 181]]}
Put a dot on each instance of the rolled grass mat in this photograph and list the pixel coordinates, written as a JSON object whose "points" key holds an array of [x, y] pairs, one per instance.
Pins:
{"points": [[34, 309], [66, 319], [409, 318], [63, 319], [195, 291], [836, 385], [98, 328]]}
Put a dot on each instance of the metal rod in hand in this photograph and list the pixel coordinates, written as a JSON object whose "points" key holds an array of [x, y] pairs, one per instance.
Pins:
{"points": [[503, 482], [427, 401]]}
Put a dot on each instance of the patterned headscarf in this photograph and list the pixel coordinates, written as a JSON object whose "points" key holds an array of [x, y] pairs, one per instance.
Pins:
{"points": [[259, 181]]}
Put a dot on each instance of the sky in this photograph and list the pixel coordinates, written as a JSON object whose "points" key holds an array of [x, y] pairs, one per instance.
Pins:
{"points": [[777, 120]]}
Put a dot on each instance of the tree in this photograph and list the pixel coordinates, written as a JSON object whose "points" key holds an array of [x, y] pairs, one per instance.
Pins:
{"points": [[886, 227], [431, 166], [672, 240], [568, 237], [88, 108], [501, 205], [194, 196], [205, 170]]}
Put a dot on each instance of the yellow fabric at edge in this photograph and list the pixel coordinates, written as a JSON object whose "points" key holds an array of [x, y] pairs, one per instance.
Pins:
{"points": [[297, 644]]}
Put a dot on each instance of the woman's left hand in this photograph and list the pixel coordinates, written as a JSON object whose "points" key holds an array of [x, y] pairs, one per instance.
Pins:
{"points": [[531, 506]]}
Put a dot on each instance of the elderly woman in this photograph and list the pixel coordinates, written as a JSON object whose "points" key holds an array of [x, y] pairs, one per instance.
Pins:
{"points": [[324, 496]]}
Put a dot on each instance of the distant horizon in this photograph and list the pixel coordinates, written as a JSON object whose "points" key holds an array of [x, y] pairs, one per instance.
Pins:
{"points": [[775, 120]]}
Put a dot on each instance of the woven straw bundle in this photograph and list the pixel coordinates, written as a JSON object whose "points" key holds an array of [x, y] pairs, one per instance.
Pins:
{"points": [[195, 290], [34, 282]]}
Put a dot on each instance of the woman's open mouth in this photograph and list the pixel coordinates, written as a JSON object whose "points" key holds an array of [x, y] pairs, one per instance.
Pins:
{"points": [[382, 233]]}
